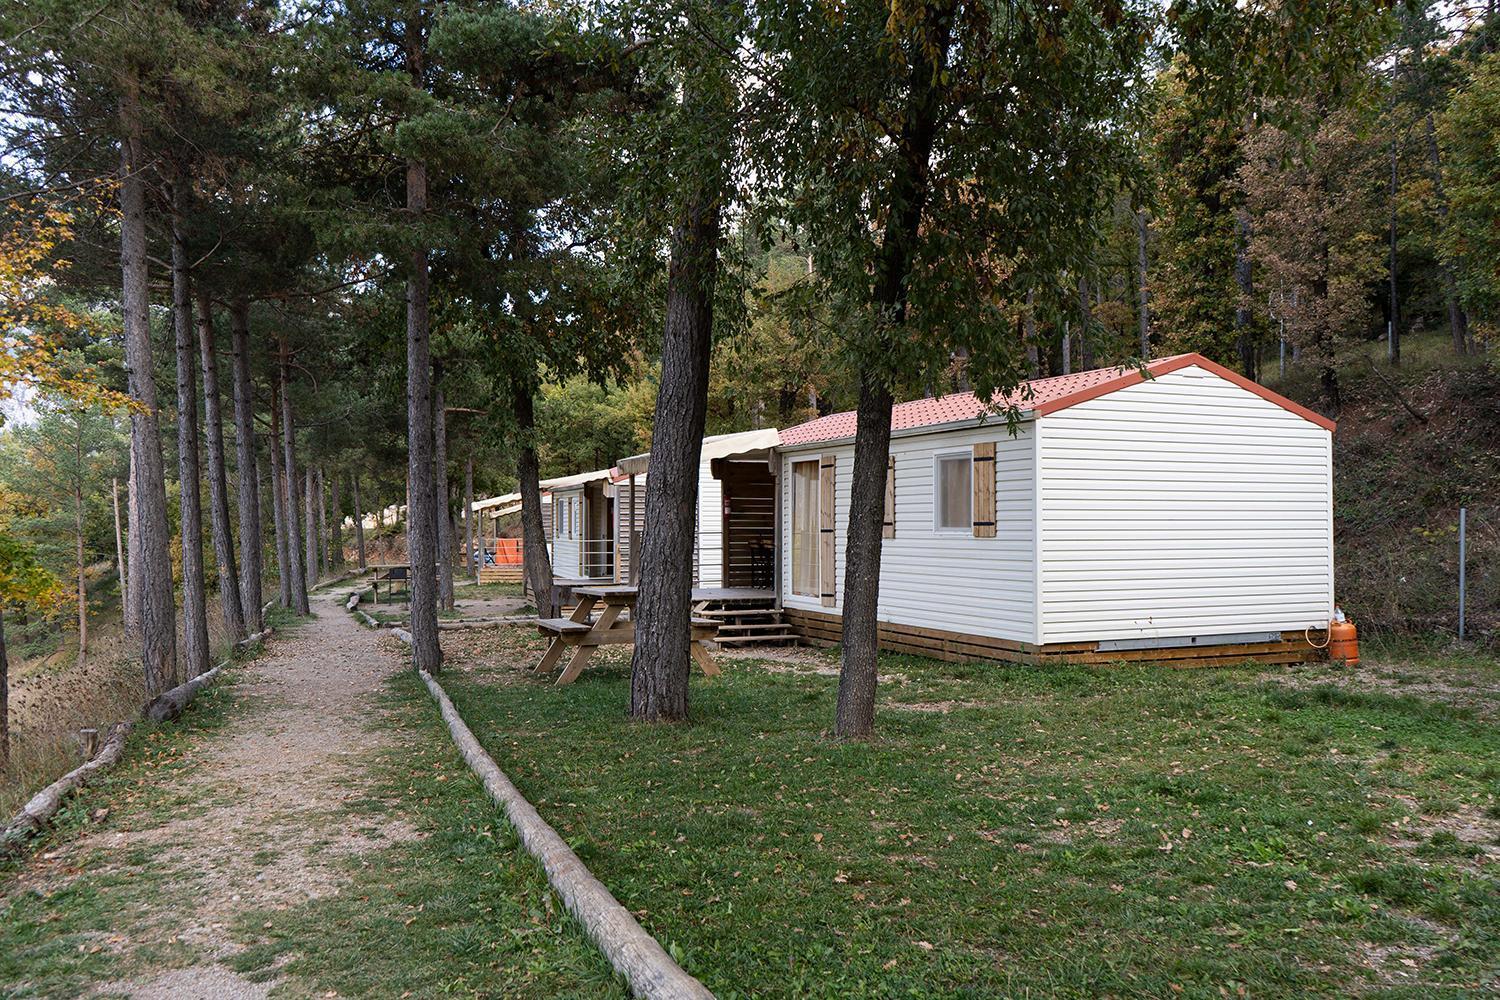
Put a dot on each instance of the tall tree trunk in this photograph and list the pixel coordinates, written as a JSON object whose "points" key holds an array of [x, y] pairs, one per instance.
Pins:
{"points": [[151, 560], [132, 597], [310, 526], [421, 507], [322, 495], [1245, 341], [440, 493], [470, 564], [854, 715], [660, 664], [1395, 305], [218, 477], [123, 573], [1085, 326], [194, 593], [1143, 312], [289, 476], [80, 564], [533, 538], [279, 494], [4, 697], [247, 468], [1458, 319], [1033, 354], [359, 526], [336, 526]]}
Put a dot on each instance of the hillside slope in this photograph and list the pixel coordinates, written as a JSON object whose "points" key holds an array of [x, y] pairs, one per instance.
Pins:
{"points": [[1414, 444]]}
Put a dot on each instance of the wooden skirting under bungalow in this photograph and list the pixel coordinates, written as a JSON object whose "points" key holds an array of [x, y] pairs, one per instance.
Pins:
{"points": [[504, 573], [820, 629]]}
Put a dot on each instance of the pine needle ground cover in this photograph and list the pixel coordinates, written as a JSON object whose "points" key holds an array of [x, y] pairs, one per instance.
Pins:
{"points": [[1041, 832]]}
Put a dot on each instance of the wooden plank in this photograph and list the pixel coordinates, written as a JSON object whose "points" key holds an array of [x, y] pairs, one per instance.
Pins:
{"points": [[827, 551], [984, 489]]}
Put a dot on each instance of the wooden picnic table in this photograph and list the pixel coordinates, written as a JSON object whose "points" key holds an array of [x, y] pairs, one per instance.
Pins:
{"points": [[583, 634], [390, 574]]}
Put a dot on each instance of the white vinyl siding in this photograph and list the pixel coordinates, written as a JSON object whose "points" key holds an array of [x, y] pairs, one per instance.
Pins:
{"points": [[566, 506], [710, 551], [1183, 506], [938, 579]]}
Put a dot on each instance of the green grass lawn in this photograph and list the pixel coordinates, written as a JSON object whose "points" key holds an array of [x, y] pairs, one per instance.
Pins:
{"points": [[1029, 831]]}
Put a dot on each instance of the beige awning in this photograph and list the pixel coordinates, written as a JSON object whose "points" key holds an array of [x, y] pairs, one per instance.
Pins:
{"points": [[715, 446]]}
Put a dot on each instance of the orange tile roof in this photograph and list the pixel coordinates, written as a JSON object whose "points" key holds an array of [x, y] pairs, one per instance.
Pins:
{"points": [[1038, 396]]}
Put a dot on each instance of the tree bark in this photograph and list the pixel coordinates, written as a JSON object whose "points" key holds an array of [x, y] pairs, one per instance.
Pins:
{"points": [[218, 477], [120, 570], [1143, 313], [194, 592], [1033, 354], [854, 716], [1244, 281], [131, 597], [298, 578], [440, 494], [4, 697], [80, 564], [471, 565], [279, 494], [1458, 318], [421, 508], [310, 526], [151, 557], [533, 539], [359, 525], [248, 495], [316, 476], [1395, 305], [336, 526], [1085, 326], [660, 663]]}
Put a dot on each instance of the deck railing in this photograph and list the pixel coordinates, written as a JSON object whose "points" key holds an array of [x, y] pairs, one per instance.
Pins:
{"points": [[596, 559]]}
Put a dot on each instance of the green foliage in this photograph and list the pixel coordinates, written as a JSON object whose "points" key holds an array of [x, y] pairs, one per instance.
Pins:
{"points": [[1470, 242]]}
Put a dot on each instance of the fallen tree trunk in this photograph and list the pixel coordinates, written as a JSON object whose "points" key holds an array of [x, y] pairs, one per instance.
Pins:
{"points": [[44, 804], [169, 704], [636, 955], [251, 640]]}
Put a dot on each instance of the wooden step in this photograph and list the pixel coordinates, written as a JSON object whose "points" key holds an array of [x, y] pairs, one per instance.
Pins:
{"points": [[752, 627], [737, 612], [746, 640]]}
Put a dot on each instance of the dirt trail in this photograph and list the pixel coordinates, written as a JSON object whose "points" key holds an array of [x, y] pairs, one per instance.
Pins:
{"points": [[258, 819]]}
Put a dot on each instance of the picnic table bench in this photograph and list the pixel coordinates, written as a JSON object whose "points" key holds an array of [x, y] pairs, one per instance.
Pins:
{"points": [[390, 574], [583, 634]]}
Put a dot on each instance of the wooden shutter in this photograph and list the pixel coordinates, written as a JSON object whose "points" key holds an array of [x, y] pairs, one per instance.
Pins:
{"points": [[827, 561], [888, 525], [984, 489]]}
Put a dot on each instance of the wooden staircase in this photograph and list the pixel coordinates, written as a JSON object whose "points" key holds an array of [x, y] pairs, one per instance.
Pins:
{"points": [[742, 625]]}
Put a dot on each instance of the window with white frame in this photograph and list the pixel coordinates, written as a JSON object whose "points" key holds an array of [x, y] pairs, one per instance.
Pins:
{"points": [[953, 491]]}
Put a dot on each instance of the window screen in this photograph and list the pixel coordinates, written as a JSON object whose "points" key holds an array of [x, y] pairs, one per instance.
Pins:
{"points": [[955, 492]]}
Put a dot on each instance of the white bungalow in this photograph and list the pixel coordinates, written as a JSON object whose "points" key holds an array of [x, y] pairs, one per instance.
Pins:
{"points": [[1186, 516], [582, 525], [736, 523]]}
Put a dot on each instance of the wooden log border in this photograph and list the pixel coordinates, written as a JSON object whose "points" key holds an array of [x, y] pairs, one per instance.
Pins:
{"points": [[635, 954], [38, 812]]}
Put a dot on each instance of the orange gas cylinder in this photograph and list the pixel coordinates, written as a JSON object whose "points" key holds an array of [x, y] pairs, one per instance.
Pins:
{"points": [[1343, 643]]}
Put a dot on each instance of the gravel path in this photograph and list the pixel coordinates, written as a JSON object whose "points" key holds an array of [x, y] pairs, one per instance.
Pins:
{"points": [[258, 816]]}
